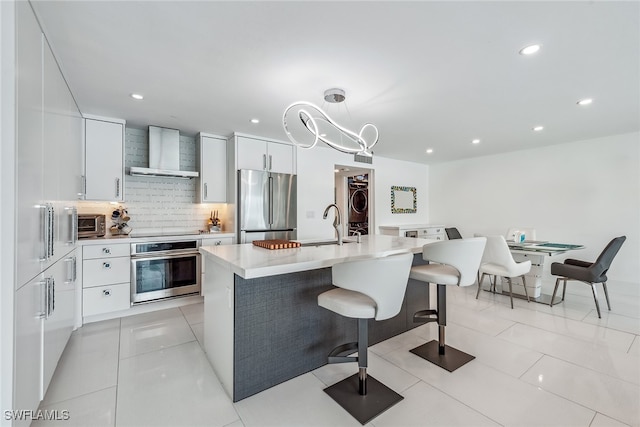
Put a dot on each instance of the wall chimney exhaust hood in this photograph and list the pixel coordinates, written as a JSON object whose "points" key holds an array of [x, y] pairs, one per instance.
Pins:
{"points": [[164, 155]]}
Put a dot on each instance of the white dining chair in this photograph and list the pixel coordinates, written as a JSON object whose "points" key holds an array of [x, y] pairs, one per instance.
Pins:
{"points": [[497, 261]]}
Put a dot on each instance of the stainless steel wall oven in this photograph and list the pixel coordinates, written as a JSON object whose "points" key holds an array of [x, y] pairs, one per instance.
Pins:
{"points": [[164, 269]]}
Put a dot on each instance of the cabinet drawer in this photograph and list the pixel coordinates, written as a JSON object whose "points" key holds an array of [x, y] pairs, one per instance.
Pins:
{"points": [[105, 251], [217, 242], [432, 231], [105, 299], [106, 271]]}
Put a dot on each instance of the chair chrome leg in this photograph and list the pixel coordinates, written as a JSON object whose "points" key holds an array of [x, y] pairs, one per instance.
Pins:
{"points": [[555, 289], [436, 351], [510, 291], [595, 298], [606, 294], [363, 344], [564, 288], [526, 292], [480, 284]]}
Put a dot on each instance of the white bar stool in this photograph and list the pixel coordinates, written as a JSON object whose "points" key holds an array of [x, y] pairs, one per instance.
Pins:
{"points": [[457, 264], [367, 289]]}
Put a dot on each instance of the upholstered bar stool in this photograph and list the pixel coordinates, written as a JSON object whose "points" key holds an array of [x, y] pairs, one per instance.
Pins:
{"points": [[367, 289], [451, 262]]}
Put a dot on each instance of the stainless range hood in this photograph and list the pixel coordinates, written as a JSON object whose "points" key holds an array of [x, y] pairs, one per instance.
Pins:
{"points": [[164, 155]]}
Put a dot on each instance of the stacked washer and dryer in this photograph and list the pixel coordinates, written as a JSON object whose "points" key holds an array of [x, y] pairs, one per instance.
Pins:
{"points": [[358, 204]]}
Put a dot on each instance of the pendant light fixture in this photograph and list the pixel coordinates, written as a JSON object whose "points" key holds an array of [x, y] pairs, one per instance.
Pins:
{"points": [[318, 125]]}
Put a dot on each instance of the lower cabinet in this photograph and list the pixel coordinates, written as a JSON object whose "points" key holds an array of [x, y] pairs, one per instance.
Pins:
{"points": [[106, 279], [44, 322]]}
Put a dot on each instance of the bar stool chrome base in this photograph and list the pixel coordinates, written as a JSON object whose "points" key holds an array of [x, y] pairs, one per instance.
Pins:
{"points": [[451, 360], [366, 407]]}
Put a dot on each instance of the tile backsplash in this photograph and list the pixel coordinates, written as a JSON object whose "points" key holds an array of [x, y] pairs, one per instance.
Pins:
{"points": [[159, 203]]}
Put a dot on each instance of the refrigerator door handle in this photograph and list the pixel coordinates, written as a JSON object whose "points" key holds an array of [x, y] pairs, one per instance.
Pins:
{"points": [[270, 200]]}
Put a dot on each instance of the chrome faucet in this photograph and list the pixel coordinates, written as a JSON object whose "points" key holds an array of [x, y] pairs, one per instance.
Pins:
{"points": [[337, 221]]}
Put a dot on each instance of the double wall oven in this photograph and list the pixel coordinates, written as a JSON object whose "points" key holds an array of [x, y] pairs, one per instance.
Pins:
{"points": [[164, 269]]}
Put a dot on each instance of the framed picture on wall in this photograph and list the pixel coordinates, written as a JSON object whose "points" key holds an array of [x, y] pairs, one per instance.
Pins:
{"points": [[403, 200]]}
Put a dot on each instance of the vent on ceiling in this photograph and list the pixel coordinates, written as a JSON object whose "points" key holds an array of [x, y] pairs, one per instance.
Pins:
{"points": [[363, 159]]}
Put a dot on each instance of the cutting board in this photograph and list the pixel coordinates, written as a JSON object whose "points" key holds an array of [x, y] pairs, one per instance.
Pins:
{"points": [[276, 244]]}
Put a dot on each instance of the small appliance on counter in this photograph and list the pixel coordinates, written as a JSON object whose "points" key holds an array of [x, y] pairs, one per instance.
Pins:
{"points": [[120, 217], [91, 226]]}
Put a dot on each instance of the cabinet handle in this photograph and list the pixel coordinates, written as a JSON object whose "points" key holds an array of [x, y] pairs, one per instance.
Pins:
{"points": [[52, 297], [206, 191], [83, 188], [118, 187], [71, 270], [106, 265], [106, 250], [264, 161], [218, 243], [44, 299], [73, 224], [44, 222], [47, 219], [270, 161], [106, 292]]}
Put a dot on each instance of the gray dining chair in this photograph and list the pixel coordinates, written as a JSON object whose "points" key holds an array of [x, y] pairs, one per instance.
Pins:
{"points": [[587, 272]]}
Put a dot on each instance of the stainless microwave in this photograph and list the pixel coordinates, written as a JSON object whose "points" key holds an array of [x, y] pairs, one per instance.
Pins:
{"points": [[91, 225]]}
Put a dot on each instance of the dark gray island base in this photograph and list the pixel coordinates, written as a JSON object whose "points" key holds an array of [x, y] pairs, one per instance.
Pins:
{"points": [[262, 322], [280, 332]]}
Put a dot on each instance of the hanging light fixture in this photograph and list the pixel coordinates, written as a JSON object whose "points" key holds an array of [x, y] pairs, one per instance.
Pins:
{"points": [[320, 125]]}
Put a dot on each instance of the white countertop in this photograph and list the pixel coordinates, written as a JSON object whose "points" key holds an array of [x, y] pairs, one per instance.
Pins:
{"points": [[408, 226], [249, 261], [160, 237]]}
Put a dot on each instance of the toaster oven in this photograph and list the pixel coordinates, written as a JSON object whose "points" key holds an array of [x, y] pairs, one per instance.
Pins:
{"points": [[91, 225]]}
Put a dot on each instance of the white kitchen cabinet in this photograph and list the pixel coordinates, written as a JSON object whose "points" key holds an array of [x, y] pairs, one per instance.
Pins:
{"points": [[212, 241], [49, 153], [212, 159], [106, 278], [104, 159], [45, 309], [29, 152], [28, 346], [48, 161], [271, 156], [58, 324]]}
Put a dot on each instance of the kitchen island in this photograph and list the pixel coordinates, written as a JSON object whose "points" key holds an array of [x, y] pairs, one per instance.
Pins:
{"points": [[262, 322]]}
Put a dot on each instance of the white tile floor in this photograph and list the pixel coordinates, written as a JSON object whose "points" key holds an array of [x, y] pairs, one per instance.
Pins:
{"points": [[534, 366]]}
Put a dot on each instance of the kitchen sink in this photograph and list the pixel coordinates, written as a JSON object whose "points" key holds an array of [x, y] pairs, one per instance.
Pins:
{"points": [[324, 243]]}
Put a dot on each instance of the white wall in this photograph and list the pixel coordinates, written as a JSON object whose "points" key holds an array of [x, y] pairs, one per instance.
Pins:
{"points": [[583, 192], [316, 189]]}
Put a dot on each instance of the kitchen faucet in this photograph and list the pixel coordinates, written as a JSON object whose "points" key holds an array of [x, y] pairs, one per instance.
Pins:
{"points": [[337, 221]]}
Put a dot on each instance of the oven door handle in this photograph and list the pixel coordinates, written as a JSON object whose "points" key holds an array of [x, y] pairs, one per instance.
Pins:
{"points": [[163, 255]]}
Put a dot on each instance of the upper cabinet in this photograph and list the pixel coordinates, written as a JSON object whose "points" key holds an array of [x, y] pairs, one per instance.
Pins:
{"points": [[211, 152], [104, 159], [48, 152], [271, 156]]}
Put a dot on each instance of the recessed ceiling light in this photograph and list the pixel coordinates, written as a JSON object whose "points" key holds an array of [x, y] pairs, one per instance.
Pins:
{"points": [[585, 101], [255, 121], [429, 150], [475, 141], [530, 50], [137, 96], [537, 128]]}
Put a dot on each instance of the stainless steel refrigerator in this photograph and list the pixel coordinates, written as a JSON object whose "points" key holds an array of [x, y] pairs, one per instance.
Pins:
{"points": [[267, 206]]}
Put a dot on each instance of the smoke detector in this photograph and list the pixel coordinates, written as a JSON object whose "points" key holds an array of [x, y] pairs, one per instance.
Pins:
{"points": [[334, 96]]}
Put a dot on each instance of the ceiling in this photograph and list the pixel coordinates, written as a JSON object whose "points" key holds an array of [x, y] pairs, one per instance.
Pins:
{"points": [[427, 74]]}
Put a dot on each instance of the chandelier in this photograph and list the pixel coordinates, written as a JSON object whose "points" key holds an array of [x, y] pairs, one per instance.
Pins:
{"points": [[314, 120]]}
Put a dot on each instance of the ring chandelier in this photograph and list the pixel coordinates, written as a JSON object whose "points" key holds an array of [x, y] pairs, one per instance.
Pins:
{"points": [[314, 119]]}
